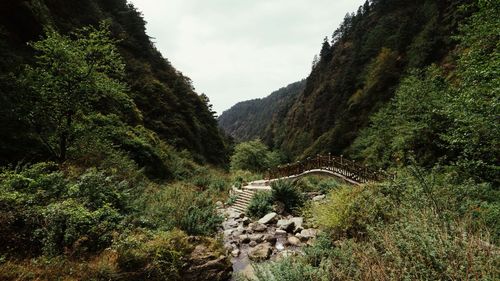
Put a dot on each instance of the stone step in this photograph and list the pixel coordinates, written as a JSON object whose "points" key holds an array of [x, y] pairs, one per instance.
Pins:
{"points": [[239, 209], [244, 199]]}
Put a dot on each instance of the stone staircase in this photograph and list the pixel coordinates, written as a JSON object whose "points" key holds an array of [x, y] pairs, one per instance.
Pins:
{"points": [[244, 197]]}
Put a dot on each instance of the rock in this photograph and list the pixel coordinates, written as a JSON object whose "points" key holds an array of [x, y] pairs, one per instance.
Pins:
{"points": [[235, 253], [286, 225], [228, 232], [297, 221], [309, 233], [280, 247], [269, 218], [280, 232], [234, 215], [242, 215], [258, 227], [256, 237], [244, 238], [219, 204], [204, 265], [294, 241], [260, 252], [286, 254], [318, 198], [252, 244], [271, 239], [245, 221]]}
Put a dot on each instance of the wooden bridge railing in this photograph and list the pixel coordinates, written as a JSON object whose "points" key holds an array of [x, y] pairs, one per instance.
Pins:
{"points": [[344, 167]]}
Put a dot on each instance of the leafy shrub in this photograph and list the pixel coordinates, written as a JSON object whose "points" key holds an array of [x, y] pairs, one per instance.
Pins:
{"points": [[253, 156], [153, 256], [287, 193], [289, 269], [260, 205], [180, 206], [69, 225], [352, 209]]}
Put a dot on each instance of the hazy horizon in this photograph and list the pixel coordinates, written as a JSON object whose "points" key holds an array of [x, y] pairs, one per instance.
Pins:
{"points": [[234, 50]]}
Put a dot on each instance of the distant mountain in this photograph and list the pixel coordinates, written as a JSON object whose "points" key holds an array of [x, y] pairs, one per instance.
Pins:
{"points": [[252, 119]]}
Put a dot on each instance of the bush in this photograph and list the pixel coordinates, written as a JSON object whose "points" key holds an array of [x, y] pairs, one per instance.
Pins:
{"points": [[287, 193], [153, 256], [351, 210], [183, 207], [260, 205], [253, 156]]}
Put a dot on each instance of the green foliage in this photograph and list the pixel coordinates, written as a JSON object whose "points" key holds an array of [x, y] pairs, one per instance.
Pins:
{"points": [[447, 120], [153, 256], [70, 79], [287, 193], [179, 206], [260, 205], [251, 119], [253, 156]]}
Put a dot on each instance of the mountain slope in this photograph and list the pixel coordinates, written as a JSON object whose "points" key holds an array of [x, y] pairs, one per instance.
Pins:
{"points": [[166, 99], [250, 119], [360, 69]]}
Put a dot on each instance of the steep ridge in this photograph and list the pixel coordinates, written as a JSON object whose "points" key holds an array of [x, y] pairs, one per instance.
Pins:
{"points": [[166, 99], [251, 119]]}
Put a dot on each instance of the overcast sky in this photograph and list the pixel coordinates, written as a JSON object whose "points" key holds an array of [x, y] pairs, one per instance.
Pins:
{"points": [[236, 50]]}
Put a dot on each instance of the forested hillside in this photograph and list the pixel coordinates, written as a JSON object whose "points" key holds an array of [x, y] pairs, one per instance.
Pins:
{"points": [[164, 99], [251, 119], [360, 68]]}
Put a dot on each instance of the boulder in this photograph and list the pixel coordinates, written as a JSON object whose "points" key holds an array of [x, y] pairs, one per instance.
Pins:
{"points": [[286, 225], [258, 227], [256, 237], [244, 238], [280, 232], [309, 233], [269, 218], [260, 252], [297, 221], [205, 265], [252, 244], [294, 241]]}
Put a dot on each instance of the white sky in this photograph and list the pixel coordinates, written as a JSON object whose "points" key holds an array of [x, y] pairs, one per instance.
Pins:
{"points": [[236, 50]]}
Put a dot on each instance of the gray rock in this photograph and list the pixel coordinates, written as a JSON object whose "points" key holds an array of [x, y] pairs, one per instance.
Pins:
{"points": [[294, 241], [252, 244], [219, 204], [235, 252], [280, 232], [244, 239], [258, 227], [260, 252], [297, 221], [309, 233], [269, 218], [287, 225], [256, 237], [318, 198]]}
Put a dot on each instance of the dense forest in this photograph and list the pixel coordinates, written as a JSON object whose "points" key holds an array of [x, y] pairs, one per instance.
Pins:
{"points": [[162, 98], [251, 119]]}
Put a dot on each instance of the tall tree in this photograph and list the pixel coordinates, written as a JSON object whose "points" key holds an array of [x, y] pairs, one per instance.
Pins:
{"points": [[71, 76]]}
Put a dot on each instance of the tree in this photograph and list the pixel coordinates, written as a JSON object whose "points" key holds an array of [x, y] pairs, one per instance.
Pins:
{"points": [[71, 76], [325, 53], [253, 156]]}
